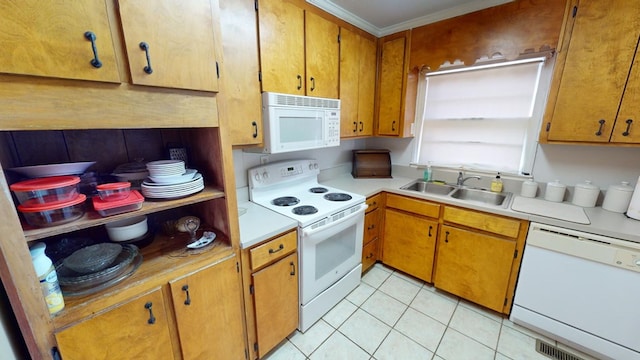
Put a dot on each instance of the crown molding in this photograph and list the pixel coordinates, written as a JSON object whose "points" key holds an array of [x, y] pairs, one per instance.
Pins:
{"points": [[355, 20]]}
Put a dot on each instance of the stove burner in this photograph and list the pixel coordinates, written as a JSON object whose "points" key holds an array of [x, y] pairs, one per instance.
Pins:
{"points": [[285, 201], [304, 210], [318, 190], [337, 197]]}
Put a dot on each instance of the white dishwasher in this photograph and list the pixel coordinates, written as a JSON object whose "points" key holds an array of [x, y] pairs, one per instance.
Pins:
{"points": [[582, 290]]}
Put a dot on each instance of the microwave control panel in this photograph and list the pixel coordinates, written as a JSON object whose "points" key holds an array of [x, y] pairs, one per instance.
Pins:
{"points": [[333, 127]]}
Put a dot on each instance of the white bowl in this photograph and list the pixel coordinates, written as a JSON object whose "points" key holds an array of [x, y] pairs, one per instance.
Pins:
{"points": [[127, 229]]}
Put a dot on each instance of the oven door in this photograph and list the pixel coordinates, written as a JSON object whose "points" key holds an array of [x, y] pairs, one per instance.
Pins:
{"points": [[329, 252]]}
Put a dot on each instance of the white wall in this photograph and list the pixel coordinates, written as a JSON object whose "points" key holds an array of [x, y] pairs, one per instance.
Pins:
{"points": [[327, 158], [571, 164]]}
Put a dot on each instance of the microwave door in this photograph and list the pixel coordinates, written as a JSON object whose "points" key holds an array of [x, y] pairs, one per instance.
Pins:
{"points": [[297, 129]]}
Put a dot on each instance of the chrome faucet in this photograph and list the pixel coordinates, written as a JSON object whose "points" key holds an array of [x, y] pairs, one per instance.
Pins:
{"points": [[461, 179]]}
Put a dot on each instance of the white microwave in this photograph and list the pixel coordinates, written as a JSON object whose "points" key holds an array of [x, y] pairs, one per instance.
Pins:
{"points": [[293, 123]]}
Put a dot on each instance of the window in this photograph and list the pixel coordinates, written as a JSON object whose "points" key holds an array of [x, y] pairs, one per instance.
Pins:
{"points": [[484, 117]]}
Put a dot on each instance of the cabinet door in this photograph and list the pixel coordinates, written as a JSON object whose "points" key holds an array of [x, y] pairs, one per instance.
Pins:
{"points": [[242, 98], [180, 44], [276, 302], [366, 86], [626, 128], [474, 266], [281, 27], [322, 56], [208, 308], [129, 331], [371, 226], [48, 39], [391, 86], [349, 86], [369, 254], [409, 243], [600, 52]]}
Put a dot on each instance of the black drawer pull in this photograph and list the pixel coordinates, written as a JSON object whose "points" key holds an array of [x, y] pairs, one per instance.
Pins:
{"points": [[599, 132], [185, 288], [626, 133], [95, 62], [293, 268], [152, 319], [299, 82], [144, 46], [446, 236], [255, 129], [271, 251]]}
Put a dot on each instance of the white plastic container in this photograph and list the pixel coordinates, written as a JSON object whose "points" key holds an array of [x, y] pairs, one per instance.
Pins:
{"points": [[585, 194], [618, 197], [529, 189], [48, 278], [634, 205], [555, 191]]}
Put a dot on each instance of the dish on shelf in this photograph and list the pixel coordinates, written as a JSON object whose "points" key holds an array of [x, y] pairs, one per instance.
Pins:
{"points": [[127, 229], [37, 171], [47, 190], [166, 168], [92, 258], [52, 214], [114, 191], [73, 282], [157, 191], [175, 179]]}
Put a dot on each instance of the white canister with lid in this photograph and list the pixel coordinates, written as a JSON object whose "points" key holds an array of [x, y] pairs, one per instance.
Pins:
{"points": [[585, 194], [618, 197], [634, 205], [529, 189], [555, 191]]}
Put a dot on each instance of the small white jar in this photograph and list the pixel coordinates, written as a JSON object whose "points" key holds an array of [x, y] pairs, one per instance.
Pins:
{"points": [[618, 197], [529, 189], [585, 194], [555, 191]]}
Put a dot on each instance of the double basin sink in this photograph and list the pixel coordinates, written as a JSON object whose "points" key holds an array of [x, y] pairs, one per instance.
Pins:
{"points": [[464, 193]]}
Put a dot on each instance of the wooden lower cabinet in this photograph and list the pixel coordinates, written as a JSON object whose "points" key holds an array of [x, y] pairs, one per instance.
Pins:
{"points": [[276, 302], [409, 243], [369, 255], [208, 313], [136, 329], [474, 266], [371, 232], [208, 316]]}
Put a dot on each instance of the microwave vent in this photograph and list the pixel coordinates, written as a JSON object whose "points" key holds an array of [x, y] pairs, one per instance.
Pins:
{"points": [[305, 101]]}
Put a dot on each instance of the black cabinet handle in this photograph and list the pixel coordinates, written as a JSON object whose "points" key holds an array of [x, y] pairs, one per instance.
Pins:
{"points": [[185, 288], [152, 319], [355, 126], [446, 236], [95, 62], [361, 126], [393, 126], [299, 82], [271, 251], [626, 133], [144, 46], [313, 83], [293, 268], [599, 132], [430, 228], [255, 129]]}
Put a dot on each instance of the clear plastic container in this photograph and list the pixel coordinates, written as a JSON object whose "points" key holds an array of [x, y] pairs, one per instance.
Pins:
{"points": [[114, 191], [44, 215], [49, 190], [132, 202]]}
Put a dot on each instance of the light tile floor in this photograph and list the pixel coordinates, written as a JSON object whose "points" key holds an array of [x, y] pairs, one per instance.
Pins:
{"points": [[393, 316]]}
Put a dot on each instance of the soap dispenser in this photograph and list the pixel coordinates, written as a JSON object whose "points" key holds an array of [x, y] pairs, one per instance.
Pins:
{"points": [[426, 176], [496, 184]]}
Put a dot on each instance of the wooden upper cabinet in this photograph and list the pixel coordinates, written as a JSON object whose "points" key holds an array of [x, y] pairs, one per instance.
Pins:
{"points": [[391, 88], [281, 29], [208, 309], [137, 329], [240, 74], [322, 56], [52, 39], [357, 84], [179, 42], [591, 80]]}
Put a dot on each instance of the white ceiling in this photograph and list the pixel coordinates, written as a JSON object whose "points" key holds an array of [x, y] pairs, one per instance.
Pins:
{"points": [[384, 17]]}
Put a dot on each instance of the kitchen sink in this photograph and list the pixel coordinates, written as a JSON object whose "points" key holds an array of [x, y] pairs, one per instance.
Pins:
{"points": [[482, 196], [430, 188]]}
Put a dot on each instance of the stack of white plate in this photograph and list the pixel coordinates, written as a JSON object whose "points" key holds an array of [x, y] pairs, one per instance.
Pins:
{"points": [[170, 179]]}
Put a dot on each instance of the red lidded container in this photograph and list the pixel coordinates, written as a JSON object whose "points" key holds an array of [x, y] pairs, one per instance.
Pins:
{"points": [[114, 191], [107, 208], [56, 213], [47, 190]]}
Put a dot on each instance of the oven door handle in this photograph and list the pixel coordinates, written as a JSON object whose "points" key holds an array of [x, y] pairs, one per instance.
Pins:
{"points": [[310, 232]]}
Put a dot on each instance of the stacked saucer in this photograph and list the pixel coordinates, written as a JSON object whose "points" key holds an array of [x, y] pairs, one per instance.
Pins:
{"points": [[169, 179]]}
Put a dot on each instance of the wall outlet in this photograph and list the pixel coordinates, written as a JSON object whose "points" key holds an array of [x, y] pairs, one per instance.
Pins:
{"points": [[264, 159]]}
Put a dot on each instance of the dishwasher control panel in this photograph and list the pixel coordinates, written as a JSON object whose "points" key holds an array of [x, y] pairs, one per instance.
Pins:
{"points": [[628, 259]]}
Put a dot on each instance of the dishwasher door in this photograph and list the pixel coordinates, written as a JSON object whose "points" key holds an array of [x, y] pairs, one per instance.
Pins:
{"points": [[581, 289]]}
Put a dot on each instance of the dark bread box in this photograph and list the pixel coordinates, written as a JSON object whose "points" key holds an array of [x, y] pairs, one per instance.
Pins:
{"points": [[371, 164]]}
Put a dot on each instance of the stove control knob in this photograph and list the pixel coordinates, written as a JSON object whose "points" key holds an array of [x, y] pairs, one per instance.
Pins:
{"points": [[256, 176], [310, 166], [637, 262], [265, 175], [315, 166]]}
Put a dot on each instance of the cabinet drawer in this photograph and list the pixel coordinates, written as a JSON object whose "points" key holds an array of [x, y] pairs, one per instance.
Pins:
{"points": [[486, 222], [415, 206], [369, 255], [373, 202], [371, 226], [273, 250]]}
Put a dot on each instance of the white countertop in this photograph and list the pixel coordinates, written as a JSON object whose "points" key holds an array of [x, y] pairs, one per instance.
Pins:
{"points": [[259, 224], [602, 222]]}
